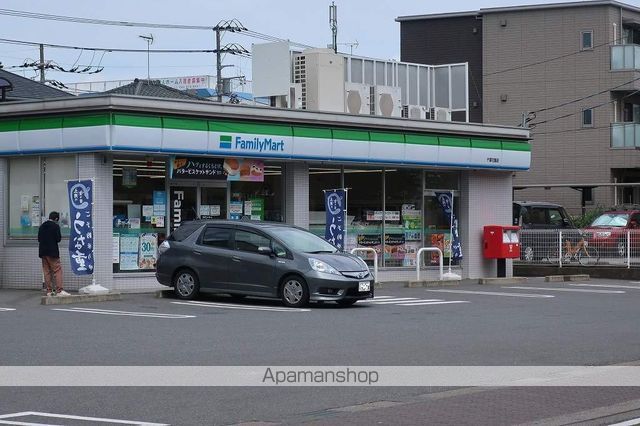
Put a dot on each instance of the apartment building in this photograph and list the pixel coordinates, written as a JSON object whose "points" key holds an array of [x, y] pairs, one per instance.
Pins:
{"points": [[571, 71]]}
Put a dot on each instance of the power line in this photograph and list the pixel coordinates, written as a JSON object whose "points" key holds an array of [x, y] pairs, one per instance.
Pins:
{"points": [[566, 55], [105, 49]]}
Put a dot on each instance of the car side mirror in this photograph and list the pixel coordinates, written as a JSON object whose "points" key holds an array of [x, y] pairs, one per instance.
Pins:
{"points": [[265, 250]]}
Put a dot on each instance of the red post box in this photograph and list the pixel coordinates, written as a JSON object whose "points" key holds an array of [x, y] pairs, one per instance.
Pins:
{"points": [[501, 242]]}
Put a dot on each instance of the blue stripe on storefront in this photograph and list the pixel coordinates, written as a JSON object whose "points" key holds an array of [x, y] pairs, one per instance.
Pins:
{"points": [[242, 155]]}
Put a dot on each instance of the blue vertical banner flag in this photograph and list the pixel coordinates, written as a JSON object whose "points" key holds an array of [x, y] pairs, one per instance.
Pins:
{"points": [[335, 206], [445, 199], [81, 223]]}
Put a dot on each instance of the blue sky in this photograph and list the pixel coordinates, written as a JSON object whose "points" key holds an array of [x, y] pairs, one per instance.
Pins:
{"points": [[370, 23]]}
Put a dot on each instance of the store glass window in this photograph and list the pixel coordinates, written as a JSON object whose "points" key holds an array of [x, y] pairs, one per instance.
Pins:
{"points": [[38, 186], [24, 197], [139, 212], [364, 210], [321, 178], [403, 225], [436, 224], [259, 200], [57, 172]]}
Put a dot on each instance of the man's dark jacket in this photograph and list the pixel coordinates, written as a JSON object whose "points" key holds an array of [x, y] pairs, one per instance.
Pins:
{"points": [[49, 237]]}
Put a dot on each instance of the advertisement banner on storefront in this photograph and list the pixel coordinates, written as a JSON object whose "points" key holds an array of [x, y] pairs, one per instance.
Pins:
{"points": [[445, 199], [233, 169], [148, 253], [335, 204], [81, 231]]}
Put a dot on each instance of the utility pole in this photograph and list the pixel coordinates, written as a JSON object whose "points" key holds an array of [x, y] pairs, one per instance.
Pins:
{"points": [[149, 40], [41, 64], [231, 26], [333, 24]]}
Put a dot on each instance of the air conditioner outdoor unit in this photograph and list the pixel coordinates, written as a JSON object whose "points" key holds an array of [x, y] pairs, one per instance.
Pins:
{"points": [[294, 100], [414, 112], [357, 99], [440, 114], [387, 101]]}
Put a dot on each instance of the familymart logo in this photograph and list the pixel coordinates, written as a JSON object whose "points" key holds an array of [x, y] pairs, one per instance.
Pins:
{"points": [[265, 144], [225, 142]]}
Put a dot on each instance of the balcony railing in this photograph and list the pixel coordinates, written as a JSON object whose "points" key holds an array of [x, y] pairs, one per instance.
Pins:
{"points": [[625, 57], [625, 135]]}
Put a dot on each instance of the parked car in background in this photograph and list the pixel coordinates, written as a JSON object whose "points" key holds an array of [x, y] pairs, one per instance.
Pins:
{"points": [[539, 216], [609, 231], [260, 259]]}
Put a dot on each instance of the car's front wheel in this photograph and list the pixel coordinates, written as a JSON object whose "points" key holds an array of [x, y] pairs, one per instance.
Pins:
{"points": [[186, 284], [294, 292]]}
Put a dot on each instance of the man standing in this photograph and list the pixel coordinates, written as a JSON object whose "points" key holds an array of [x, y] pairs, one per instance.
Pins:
{"points": [[49, 237]]}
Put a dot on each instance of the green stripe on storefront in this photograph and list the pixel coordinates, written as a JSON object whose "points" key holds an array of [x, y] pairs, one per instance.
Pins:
{"points": [[86, 121], [136, 120], [312, 132], [352, 135], [387, 137], [250, 128], [455, 142], [225, 138], [485, 144], [42, 123], [9, 125], [184, 124], [516, 146], [421, 140]]}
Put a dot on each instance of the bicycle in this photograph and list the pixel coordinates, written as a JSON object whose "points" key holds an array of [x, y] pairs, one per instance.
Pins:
{"points": [[583, 253]]}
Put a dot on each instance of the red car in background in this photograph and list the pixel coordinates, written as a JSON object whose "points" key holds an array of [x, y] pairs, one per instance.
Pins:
{"points": [[608, 232]]}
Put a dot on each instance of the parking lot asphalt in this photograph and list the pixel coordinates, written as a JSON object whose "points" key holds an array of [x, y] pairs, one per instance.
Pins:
{"points": [[571, 323]]}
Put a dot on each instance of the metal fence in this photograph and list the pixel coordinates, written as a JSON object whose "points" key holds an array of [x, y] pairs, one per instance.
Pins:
{"points": [[586, 247]]}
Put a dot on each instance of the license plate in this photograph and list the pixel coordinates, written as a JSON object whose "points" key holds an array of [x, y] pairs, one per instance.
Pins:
{"points": [[364, 286]]}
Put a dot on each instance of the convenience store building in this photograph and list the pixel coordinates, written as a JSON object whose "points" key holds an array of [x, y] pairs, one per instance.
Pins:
{"points": [[158, 162]]}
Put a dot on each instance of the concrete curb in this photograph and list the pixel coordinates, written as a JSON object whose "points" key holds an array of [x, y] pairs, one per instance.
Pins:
{"points": [[436, 283], [79, 298], [502, 281], [562, 278]]}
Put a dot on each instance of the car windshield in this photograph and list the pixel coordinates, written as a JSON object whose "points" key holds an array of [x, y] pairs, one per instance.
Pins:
{"points": [[302, 241], [611, 219]]}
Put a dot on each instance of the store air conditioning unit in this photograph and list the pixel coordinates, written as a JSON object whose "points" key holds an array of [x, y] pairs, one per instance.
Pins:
{"points": [[294, 100], [386, 101], [357, 99], [440, 114], [414, 112]]}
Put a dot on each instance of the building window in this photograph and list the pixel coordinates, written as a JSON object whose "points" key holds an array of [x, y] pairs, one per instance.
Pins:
{"points": [[258, 200], [586, 40], [37, 186], [321, 178], [587, 117]]}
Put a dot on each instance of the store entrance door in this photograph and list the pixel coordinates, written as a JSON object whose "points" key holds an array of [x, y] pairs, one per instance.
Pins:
{"points": [[183, 205], [213, 202]]}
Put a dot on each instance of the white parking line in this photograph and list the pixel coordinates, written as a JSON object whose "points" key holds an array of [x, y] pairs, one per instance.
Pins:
{"points": [[631, 422], [495, 293], [69, 417], [577, 290], [123, 313], [637, 287], [241, 307], [441, 302], [6, 309], [387, 301]]}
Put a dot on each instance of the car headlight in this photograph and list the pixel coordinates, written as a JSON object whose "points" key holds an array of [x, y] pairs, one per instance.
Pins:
{"points": [[363, 263], [320, 266]]}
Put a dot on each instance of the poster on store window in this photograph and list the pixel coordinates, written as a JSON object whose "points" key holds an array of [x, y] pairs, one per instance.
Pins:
{"points": [[199, 168], [440, 240], [148, 253], [129, 245], [244, 170]]}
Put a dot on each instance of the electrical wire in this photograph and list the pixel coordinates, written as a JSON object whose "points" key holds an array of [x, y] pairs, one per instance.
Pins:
{"points": [[566, 55], [105, 49]]}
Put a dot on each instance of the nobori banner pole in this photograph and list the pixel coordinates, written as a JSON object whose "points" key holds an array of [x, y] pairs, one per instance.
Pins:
{"points": [[451, 233], [346, 218]]}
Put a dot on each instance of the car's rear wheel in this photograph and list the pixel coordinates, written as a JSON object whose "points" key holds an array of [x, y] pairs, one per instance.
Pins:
{"points": [[294, 292], [348, 302], [186, 284]]}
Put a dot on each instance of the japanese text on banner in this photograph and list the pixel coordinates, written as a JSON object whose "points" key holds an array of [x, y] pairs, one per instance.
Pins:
{"points": [[445, 199], [81, 232], [335, 204]]}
